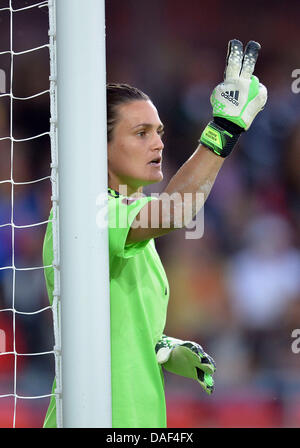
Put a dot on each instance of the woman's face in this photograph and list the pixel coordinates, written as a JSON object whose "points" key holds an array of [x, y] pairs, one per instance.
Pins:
{"points": [[135, 149]]}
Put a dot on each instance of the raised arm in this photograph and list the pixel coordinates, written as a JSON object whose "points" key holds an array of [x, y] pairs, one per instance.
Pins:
{"points": [[236, 102]]}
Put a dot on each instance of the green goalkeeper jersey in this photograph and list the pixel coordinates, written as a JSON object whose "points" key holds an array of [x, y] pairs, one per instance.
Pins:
{"points": [[139, 294]]}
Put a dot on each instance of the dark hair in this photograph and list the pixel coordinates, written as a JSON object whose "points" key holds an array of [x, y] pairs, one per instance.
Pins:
{"points": [[117, 94]]}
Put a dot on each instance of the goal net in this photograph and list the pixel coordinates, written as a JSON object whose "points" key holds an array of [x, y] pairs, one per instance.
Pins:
{"points": [[29, 348]]}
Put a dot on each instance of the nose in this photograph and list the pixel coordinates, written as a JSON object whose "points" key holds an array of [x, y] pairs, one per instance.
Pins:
{"points": [[158, 143]]}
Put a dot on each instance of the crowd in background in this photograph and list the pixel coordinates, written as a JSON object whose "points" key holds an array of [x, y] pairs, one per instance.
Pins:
{"points": [[236, 290]]}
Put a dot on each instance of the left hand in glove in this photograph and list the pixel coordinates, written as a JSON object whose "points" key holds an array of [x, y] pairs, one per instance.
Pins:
{"points": [[187, 359]]}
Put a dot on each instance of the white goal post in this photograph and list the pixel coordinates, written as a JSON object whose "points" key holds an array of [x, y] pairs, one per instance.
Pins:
{"points": [[82, 176]]}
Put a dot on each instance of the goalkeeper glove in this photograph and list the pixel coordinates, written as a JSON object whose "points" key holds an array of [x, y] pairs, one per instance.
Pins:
{"points": [[187, 359], [236, 101]]}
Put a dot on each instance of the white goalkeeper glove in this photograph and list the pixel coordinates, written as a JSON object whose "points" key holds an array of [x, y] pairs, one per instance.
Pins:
{"points": [[236, 101], [187, 359]]}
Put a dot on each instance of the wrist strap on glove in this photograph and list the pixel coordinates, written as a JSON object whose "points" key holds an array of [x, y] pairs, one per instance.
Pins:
{"points": [[220, 136]]}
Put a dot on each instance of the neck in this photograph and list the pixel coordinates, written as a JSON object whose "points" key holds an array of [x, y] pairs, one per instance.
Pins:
{"points": [[125, 189]]}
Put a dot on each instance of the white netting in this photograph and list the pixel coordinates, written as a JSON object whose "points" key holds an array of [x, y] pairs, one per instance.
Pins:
{"points": [[27, 146]]}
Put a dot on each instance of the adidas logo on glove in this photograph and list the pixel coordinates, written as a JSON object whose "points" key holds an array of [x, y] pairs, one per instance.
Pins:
{"points": [[231, 96]]}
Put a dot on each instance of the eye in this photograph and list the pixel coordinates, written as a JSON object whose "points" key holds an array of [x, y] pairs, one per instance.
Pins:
{"points": [[161, 133], [141, 133]]}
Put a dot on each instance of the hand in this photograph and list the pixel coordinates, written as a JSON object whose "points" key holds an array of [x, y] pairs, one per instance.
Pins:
{"points": [[187, 359], [236, 101], [241, 96]]}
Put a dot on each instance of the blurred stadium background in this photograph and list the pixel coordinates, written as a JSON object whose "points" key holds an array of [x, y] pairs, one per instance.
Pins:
{"points": [[236, 291]]}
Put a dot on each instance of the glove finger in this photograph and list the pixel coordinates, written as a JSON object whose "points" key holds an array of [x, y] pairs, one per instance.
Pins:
{"points": [[209, 360], [257, 104], [249, 59], [263, 95], [234, 59], [163, 349], [163, 355], [206, 381], [205, 362]]}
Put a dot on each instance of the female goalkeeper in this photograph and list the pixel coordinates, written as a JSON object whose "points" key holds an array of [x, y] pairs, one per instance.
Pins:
{"points": [[139, 288]]}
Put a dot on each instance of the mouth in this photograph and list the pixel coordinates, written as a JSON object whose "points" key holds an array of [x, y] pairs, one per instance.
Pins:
{"points": [[156, 161]]}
